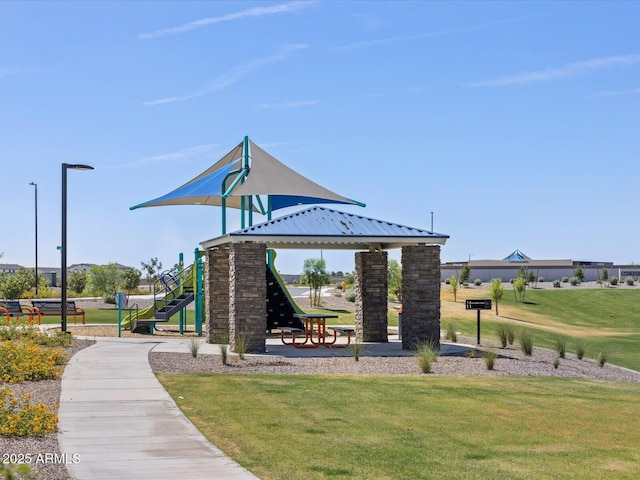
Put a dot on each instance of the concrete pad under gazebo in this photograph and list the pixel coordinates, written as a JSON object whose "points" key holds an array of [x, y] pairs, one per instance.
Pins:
{"points": [[235, 302]]}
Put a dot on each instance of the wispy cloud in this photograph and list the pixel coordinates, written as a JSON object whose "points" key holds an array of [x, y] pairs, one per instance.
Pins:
{"points": [[232, 76], [14, 70], [617, 93], [181, 156], [407, 38], [250, 12], [305, 103], [569, 70]]}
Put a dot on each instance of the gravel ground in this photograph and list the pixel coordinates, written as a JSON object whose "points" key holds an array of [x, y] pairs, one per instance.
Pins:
{"points": [[33, 450], [510, 361]]}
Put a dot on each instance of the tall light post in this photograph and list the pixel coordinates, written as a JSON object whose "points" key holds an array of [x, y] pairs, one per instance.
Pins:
{"points": [[36, 217], [63, 245]]}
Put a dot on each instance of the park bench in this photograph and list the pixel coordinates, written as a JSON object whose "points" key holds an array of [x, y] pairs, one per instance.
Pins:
{"points": [[53, 308], [13, 308]]}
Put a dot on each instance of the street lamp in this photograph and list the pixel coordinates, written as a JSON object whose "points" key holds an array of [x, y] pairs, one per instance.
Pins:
{"points": [[36, 204], [63, 245]]}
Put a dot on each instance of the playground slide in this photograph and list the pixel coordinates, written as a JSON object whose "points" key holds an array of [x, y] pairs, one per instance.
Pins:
{"points": [[280, 306], [144, 314]]}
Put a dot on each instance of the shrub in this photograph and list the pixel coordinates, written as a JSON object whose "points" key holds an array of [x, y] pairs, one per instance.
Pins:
{"points": [[613, 281], [541, 279], [358, 349], [502, 332], [602, 358], [525, 340], [21, 419], [426, 353], [511, 333], [447, 281], [477, 282], [560, 345], [580, 345], [557, 284], [490, 359], [556, 363], [22, 361], [450, 331], [574, 281], [350, 295], [629, 281], [194, 346], [242, 342], [565, 279]]}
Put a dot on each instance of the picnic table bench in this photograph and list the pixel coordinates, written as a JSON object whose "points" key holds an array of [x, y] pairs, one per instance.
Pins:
{"points": [[13, 308], [53, 308], [315, 323]]}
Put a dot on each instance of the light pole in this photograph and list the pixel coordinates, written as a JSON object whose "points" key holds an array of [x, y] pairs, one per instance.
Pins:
{"points": [[63, 245], [36, 217]]}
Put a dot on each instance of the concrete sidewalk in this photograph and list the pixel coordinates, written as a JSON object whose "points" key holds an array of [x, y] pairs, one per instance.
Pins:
{"points": [[117, 421]]}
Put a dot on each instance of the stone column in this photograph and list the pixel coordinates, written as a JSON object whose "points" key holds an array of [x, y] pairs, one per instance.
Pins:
{"points": [[371, 296], [248, 296], [420, 296], [217, 294]]}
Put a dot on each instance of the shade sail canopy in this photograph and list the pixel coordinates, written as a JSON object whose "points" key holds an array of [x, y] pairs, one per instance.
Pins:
{"points": [[205, 189], [264, 175]]}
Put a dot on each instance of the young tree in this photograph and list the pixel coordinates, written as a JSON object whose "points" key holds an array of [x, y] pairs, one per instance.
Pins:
{"points": [[465, 273], [605, 276], [77, 281], [315, 275], [519, 288], [104, 281], [130, 279], [496, 290], [394, 279], [577, 272], [14, 286], [152, 271], [453, 283]]}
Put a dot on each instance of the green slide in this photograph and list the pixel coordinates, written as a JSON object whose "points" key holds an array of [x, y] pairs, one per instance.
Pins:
{"points": [[144, 314]]}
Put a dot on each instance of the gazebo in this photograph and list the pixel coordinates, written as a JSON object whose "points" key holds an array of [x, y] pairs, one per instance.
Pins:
{"points": [[250, 179]]}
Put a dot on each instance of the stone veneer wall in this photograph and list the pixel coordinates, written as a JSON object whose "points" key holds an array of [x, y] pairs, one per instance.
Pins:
{"points": [[371, 296], [217, 295], [248, 296], [420, 295]]}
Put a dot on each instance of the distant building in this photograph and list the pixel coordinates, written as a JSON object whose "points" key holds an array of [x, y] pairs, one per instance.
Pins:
{"points": [[9, 268], [509, 267]]}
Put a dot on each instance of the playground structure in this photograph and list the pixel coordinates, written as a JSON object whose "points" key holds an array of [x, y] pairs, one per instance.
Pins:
{"points": [[173, 291], [178, 287], [240, 302]]}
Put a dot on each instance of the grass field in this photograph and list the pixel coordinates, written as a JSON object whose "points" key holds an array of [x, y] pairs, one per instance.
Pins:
{"points": [[289, 427]]}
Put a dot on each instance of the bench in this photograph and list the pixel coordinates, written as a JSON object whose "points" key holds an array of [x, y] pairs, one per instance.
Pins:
{"points": [[13, 308], [53, 308], [342, 331]]}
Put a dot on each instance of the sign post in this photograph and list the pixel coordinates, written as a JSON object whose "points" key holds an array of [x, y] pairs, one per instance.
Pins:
{"points": [[482, 304]]}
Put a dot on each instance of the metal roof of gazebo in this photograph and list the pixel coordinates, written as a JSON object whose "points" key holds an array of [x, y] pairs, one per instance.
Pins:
{"points": [[319, 227]]}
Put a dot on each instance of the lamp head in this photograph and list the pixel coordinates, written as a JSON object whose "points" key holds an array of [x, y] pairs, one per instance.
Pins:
{"points": [[77, 166]]}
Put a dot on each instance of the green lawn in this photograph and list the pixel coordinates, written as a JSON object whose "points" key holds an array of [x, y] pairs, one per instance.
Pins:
{"points": [[365, 427], [607, 318]]}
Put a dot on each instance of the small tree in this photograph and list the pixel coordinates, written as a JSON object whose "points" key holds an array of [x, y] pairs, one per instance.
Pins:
{"points": [[496, 290], [394, 279], [104, 281], [519, 288], [453, 283], [315, 275], [77, 281], [130, 279], [577, 272], [604, 276], [152, 270], [465, 273]]}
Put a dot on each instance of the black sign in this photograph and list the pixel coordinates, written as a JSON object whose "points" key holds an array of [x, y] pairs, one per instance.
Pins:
{"points": [[478, 304]]}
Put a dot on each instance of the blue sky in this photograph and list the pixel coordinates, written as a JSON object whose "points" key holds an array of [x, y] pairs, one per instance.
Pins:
{"points": [[516, 123]]}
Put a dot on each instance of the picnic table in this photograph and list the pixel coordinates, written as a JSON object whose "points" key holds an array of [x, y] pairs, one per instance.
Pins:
{"points": [[315, 323]]}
